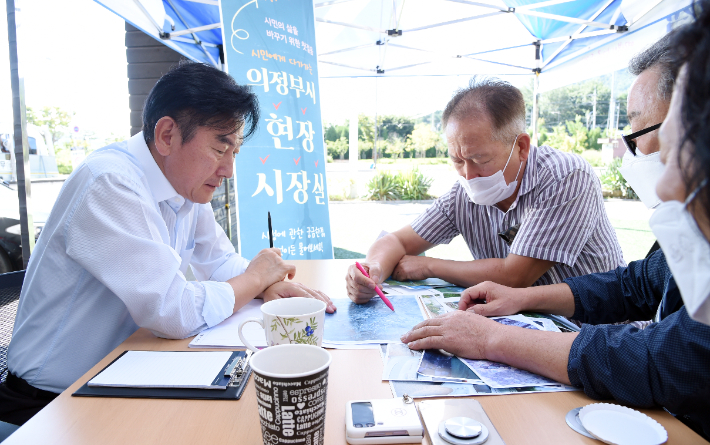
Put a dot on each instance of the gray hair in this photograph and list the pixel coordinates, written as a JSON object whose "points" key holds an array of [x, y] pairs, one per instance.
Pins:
{"points": [[502, 102], [657, 56]]}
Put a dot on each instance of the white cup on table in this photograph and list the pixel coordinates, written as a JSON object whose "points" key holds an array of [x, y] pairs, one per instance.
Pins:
{"points": [[289, 321]]}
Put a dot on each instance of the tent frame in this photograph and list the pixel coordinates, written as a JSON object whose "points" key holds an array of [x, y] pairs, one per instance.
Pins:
{"points": [[22, 152]]}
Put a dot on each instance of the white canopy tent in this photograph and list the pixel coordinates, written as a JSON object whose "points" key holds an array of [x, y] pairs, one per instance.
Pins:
{"points": [[556, 41]]}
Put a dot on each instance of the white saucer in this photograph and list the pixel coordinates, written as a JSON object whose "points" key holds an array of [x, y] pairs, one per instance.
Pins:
{"points": [[619, 425]]}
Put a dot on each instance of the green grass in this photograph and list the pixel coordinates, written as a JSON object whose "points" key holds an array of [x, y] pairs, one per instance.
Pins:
{"points": [[408, 161], [346, 254], [635, 238]]}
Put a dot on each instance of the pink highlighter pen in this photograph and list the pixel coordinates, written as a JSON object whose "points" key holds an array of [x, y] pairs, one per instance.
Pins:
{"points": [[377, 289]]}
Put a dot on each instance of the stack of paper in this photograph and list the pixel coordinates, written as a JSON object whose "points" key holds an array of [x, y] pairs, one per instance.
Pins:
{"points": [[433, 374], [226, 334], [161, 369]]}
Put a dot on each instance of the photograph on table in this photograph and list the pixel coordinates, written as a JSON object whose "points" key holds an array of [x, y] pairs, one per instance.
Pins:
{"points": [[440, 367], [453, 289], [429, 282], [541, 323], [447, 389], [407, 290], [400, 363], [434, 305], [371, 322], [499, 375], [450, 300], [561, 323]]}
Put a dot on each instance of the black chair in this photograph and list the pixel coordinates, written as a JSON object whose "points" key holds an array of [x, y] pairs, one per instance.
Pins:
{"points": [[10, 287]]}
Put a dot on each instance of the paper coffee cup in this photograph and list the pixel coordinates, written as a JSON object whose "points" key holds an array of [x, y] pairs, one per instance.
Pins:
{"points": [[291, 388]]}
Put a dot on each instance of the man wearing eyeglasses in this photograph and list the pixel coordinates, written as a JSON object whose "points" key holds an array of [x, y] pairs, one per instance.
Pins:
{"points": [[664, 364], [648, 102]]}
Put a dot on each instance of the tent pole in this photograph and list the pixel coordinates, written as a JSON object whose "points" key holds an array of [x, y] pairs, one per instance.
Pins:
{"points": [[374, 140], [536, 107], [22, 154], [536, 90]]}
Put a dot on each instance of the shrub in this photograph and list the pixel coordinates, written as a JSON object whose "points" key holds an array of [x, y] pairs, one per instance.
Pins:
{"points": [[383, 187], [613, 181], [414, 185], [594, 157], [410, 185], [63, 159]]}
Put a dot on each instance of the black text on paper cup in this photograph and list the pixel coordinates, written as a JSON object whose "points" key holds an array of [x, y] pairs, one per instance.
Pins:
{"points": [[292, 411]]}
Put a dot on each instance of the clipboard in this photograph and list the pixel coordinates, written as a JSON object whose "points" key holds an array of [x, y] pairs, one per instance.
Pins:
{"points": [[237, 372]]}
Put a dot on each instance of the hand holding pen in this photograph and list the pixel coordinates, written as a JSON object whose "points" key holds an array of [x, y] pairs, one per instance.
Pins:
{"points": [[377, 289]]}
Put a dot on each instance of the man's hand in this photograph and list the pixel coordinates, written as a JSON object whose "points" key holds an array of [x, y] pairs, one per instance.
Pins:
{"points": [[270, 268], [288, 289], [360, 288], [491, 299], [413, 268], [462, 333]]}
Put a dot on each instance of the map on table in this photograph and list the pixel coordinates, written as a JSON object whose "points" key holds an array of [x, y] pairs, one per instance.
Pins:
{"points": [[372, 322], [499, 375], [438, 366]]}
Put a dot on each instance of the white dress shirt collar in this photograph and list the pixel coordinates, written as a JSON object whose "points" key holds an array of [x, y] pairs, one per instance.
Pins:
{"points": [[159, 185]]}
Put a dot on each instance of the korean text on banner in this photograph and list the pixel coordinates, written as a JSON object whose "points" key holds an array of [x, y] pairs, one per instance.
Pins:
{"points": [[271, 47]]}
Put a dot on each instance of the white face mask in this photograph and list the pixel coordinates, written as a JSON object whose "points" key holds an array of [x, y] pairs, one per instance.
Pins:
{"points": [[492, 189], [687, 254], [642, 173]]}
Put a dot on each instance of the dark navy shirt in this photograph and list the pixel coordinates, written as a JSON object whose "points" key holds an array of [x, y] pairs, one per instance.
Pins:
{"points": [[667, 364]]}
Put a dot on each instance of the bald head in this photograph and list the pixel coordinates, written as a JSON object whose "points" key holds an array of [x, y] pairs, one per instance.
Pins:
{"points": [[492, 99]]}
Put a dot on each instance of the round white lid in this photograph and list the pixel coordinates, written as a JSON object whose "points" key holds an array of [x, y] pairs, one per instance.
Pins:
{"points": [[619, 425]]}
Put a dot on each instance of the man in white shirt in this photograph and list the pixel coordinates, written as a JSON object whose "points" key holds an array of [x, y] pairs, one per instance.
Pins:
{"points": [[125, 227]]}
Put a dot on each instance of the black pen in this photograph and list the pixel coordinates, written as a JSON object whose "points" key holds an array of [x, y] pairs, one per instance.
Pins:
{"points": [[271, 235]]}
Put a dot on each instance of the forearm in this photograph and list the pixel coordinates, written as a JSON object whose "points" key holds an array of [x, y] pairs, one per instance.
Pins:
{"points": [[553, 299], [387, 251], [246, 287], [544, 353], [511, 272]]}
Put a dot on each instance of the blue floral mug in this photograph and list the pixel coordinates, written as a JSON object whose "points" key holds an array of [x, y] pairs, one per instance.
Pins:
{"points": [[289, 321]]}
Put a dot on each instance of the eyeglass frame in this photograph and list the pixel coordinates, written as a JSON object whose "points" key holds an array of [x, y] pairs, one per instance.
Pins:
{"points": [[629, 140]]}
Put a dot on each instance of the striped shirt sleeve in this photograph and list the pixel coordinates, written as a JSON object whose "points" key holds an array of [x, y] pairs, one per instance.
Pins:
{"points": [[561, 221], [437, 225]]}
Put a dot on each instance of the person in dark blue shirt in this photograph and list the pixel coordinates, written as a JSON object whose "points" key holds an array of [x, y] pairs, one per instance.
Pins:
{"points": [[667, 363]]}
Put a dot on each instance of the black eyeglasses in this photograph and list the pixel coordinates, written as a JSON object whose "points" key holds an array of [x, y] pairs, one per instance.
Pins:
{"points": [[629, 140]]}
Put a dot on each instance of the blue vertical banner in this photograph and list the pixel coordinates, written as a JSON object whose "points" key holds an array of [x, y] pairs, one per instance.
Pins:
{"points": [[271, 46]]}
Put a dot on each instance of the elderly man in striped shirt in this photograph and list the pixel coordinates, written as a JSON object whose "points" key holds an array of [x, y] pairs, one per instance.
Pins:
{"points": [[549, 200]]}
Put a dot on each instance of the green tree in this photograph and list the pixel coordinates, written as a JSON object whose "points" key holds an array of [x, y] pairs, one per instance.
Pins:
{"points": [[400, 125], [426, 119], [365, 128], [395, 146], [55, 119], [423, 138], [337, 148], [335, 132]]}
